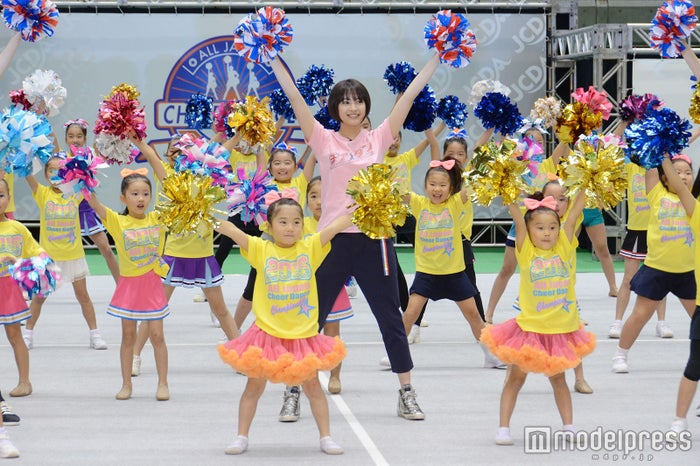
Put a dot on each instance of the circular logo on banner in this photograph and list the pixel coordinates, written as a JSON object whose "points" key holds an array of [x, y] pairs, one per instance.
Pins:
{"points": [[212, 68]]}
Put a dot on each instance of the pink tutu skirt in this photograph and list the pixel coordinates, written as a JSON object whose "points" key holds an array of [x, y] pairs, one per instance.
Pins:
{"points": [[288, 361], [549, 354], [139, 298], [13, 308]]}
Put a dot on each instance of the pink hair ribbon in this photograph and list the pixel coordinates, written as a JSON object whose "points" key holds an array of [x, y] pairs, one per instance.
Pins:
{"points": [[273, 196], [446, 164], [532, 204], [682, 157], [80, 122], [139, 171]]}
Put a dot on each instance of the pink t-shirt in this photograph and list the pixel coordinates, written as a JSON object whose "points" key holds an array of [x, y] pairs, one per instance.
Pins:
{"points": [[339, 159]]}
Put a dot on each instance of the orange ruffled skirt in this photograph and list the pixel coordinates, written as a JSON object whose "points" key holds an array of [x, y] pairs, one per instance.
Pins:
{"points": [[549, 354], [289, 361]]}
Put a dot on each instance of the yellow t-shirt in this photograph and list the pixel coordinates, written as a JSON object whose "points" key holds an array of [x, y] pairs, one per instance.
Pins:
{"points": [[695, 226], [547, 293], [247, 163], [670, 245], [466, 220], [298, 184], [547, 166], [138, 243], [10, 178], [637, 202], [310, 227], [59, 230], [16, 242], [285, 300], [403, 163], [438, 243]]}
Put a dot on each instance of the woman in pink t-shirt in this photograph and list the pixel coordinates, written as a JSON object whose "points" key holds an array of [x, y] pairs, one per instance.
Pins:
{"points": [[340, 155]]}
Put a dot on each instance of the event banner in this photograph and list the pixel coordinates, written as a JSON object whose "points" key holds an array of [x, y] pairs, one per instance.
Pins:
{"points": [[170, 57]]}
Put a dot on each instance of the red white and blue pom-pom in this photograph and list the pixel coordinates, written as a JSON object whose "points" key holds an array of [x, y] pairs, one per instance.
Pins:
{"points": [[323, 117], [115, 150], [260, 36], [203, 157], [495, 110], [452, 111], [198, 111], [78, 173], [38, 275], [449, 34], [247, 197], [19, 99], [33, 19], [24, 137], [673, 22], [661, 132], [119, 115], [279, 103], [596, 101], [635, 106], [316, 84], [221, 115], [421, 116], [399, 75], [44, 90]]}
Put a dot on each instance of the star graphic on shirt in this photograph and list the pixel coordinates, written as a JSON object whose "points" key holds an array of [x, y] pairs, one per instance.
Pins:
{"points": [[304, 308], [689, 238], [566, 305], [448, 248]]}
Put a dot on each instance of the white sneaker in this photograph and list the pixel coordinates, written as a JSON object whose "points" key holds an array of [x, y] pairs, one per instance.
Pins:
{"points": [[414, 335], [136, 366], [615, 329], [384, 362], [424, 323], [240, 445], [97, 342], [214, 321], [7, 449], [199, 298], [329, 447], [503, 436], [28, 339], [619, 365], [490, 360], [663, 330], [677, 426]]}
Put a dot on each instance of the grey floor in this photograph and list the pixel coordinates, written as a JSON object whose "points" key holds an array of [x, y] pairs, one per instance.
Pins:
{"points": [[72, 417]]}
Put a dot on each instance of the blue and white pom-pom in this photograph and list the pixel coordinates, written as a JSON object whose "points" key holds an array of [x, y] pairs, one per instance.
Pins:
{"points": [[399, 75], [496, 111], [38, 275], [449, 34], [674, 21], [24, 138], [260, 36], [323, 117], [198, 112], [204, 157], [316, 84], [78, 173], [33, 19], [661, 132], [421, 116], [247, 197], [280, 106], [452, 111]]}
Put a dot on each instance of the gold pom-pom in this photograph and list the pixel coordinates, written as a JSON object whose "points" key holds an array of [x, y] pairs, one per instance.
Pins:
{"points": [[495, 171], [187, 203], [131, 91], [577, 119], [694, 110], [596, 165], [378, 200], [253, 120]]}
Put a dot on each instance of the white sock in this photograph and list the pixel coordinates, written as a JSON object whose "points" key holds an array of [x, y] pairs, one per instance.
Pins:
{"points": [[569, 428], [621, 352], [29, 332], [618, 321], [94, 332]]}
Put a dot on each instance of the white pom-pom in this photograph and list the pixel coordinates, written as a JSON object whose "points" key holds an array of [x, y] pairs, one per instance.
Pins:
{"points": [[44, 90]]}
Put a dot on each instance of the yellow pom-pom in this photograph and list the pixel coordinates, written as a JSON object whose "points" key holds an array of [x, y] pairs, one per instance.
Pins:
{"points": [[694, 110], [378, 200], [495, 171], [187, 203], [596, 165], [131, 91], [577, 119], [253, 120]]}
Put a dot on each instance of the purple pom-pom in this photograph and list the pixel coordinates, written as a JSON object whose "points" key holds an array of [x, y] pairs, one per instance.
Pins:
{"points": [[422, 113], [198, 111], [449, 34], [495, 110], [635, 106], [38, 275], [260, 36], [661, 132], [399, 75], [452, 111], [673, 22], [323, 117], [33, 19]]}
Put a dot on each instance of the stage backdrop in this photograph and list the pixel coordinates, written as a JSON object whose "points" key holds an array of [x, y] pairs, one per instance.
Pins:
{"points": [[169, 57]]}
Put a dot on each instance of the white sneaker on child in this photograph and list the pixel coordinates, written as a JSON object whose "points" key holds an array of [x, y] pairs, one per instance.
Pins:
{"points": [[615, 329], [491, 361], [238, 446], [384, 362], [663, 330], [7, 449], [329, 447], [619, 365], [503, 436], [97, 342], [199, 298], [414, 335], [677, 426]]}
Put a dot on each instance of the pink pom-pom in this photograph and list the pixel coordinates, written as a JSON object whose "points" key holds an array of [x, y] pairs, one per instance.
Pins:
{"points": [[449, 34], [77, 174], [221, 116], [673, 22], [260, 37], [247, 197], [19, 98], [596, 101], [118, 115], [37, 275]]}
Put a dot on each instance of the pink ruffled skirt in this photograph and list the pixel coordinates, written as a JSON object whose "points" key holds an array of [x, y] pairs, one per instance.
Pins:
{"points": [[549, 354], [289, 361]]}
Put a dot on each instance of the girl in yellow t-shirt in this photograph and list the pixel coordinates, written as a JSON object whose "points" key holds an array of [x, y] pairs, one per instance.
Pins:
{"points": [[670, 260], [283, 344], [59, 235], [138, 237], [547, 335], [438, 248]]}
